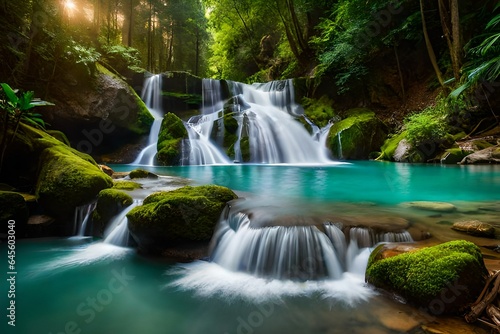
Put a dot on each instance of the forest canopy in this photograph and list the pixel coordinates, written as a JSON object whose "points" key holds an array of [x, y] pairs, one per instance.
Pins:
{"points": [[248, 40]]}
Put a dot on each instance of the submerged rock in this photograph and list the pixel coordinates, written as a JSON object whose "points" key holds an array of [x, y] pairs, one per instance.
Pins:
{"points": [[431, 206], [142, 174], [475, 227], [442, 279], [185, 215]]}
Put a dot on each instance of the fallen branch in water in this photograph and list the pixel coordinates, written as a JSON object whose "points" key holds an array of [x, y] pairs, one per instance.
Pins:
{"points": [[486, 303]]}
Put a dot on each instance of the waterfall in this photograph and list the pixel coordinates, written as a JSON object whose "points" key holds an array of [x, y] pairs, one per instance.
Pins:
{"points": [[117, 233], [82, 216], [266, 114], [295, 252], [151, 95]]}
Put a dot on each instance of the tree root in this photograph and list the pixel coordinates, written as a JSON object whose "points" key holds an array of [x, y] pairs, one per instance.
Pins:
{"points": [[487, 304]]}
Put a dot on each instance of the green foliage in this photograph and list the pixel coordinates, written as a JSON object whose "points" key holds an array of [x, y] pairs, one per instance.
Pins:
{"points": [[484, 58], [81, 54], [427, 125], [122, 58]]}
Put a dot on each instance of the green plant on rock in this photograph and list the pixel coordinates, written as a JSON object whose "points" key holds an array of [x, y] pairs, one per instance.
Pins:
{"points": [[15, 109], [427, 125]]}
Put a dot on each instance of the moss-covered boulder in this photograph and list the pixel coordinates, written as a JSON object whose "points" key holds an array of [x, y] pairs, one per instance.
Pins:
{"points": [[109, 203], [357, 136], [169, 146], [66, 180], [187, 214], [13, 207], [442, 279], [126, 185], [453, 155], [142, 174]]}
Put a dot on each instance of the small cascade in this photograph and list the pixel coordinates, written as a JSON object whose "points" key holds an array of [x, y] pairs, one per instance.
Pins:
{"points": [[339, 144], [118, 234], [82, 216], [151, 95], [295, 252]]}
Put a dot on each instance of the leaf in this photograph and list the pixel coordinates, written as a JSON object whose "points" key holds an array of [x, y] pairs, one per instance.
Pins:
{"points": [[9, 92]]}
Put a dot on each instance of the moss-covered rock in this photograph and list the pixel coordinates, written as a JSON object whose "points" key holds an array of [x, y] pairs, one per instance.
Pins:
{"points": [[453, 156], [319, 111], [175, 217], [356, 136], [66, 180], [390, 146], [59, 135], [109, 203], [443, 279], [13, 207], [169, 146], [126, 185], [142, 174]]}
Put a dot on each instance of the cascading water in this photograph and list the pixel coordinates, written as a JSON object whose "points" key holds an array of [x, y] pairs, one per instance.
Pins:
{"points": [[266, 126], [293, 251], [151, 95], [118, 234], [82, 216]]}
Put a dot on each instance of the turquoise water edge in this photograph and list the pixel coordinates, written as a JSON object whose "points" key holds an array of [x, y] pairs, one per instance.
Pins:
{"points": [[79, 285]]}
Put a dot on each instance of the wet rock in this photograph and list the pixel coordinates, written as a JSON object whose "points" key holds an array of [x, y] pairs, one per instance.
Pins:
{"points": [[40, 226], [106, 169], [442, 279], [475, 227], [142, 174], [13, 208], [488, 155], [430, 206], [172, 218]]}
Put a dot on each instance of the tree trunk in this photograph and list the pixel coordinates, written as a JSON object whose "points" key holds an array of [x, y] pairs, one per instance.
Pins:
{"points": [[430, 50], [456, 52]]}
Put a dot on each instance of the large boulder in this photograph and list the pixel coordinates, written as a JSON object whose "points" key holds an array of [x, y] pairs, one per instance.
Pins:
{"points": [[357, 136], [98, 114], [188, 214], [442, 279], [169, 146], [68, 179]]}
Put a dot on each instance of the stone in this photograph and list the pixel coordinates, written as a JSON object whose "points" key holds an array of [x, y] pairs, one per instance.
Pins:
{"points": [[356, 136], [486, 156], [106, 169], [475, 227], [142, 174], [109, 203], [170, 139], [431, 206], [442, 279], [13, 207], [185, 215]]}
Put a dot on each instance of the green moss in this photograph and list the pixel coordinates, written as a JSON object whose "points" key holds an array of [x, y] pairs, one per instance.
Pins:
{"points": [[453, 155], [356, 136], [390, 146], [170, 138], [185, 214], [59, 135], [126, 185], [142, 174], [421, 275], [194, 99], [320, 112], [66, 180]]}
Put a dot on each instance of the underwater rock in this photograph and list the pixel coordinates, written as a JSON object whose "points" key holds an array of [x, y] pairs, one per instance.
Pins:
{"points": [[442, 279], [356, 136], [431, 206], [170, 218], [475, 227]]}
